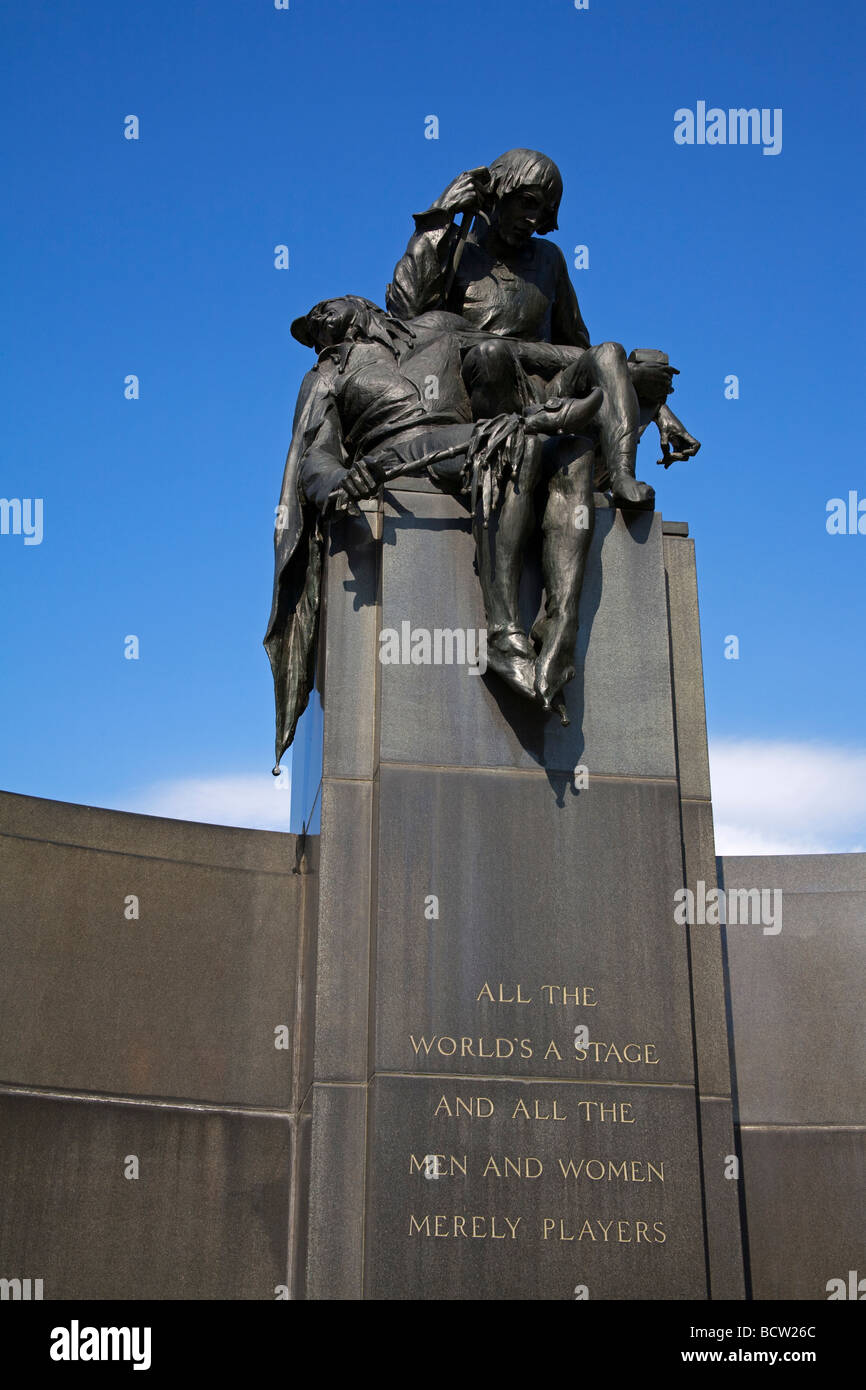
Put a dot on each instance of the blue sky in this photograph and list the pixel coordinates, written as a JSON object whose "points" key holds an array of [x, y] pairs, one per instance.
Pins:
{"points": [[305, 127]]}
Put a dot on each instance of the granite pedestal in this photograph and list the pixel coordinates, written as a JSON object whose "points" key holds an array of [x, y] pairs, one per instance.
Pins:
{"points": [[519, 1080]]}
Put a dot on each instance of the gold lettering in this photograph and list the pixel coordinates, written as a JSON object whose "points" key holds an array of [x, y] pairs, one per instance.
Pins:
{"points": [[443, 1105], [636, 1054], [520, 1109], [618, 1113], [419, 1226], [659, 1172], [484, 993], [580, 995], [555, 1050], [491, 1163]]}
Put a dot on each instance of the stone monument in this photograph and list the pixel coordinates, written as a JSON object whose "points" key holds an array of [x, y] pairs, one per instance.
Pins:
{"points": [[516, 1068]]}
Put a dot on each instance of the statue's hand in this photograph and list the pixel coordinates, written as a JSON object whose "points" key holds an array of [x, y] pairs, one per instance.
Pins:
{"points": [[466, 193], [363, 479], [653, 381], [676, 442]]}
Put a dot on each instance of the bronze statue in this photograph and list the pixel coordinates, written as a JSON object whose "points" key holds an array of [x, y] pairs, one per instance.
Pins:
{"points": [[361, 419], [501, 278], [524, 406]]}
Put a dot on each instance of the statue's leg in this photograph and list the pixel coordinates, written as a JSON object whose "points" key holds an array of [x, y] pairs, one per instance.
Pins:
{"points": [[499, 551], [618, 419], [569, 519], [496, 385], [495, 380]]}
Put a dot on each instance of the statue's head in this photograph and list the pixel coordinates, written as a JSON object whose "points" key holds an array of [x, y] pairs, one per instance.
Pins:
{"points": [[525, 191], [347, 319]]}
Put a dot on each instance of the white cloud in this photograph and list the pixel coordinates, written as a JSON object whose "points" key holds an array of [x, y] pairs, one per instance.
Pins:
{"points": [[787, 798], [768, 798], [256, 801]]}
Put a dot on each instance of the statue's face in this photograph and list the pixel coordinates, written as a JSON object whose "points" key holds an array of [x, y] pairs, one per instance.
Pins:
{"points": [[517, 215], [330, 322]]}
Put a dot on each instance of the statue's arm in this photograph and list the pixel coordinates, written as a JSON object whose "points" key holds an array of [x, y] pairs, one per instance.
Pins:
{"points": [[421, 277], [323, 464], [567, 325], [316, 461]]}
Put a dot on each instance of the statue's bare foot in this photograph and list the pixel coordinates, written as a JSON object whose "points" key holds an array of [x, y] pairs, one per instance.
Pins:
{"points": [[555, 666], [562, 415], [632, 493], [516, 671]]}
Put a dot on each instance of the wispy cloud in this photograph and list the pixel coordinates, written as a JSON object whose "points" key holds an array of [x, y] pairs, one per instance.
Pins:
{"points": [[256, 801], [768, 798], [787, 797]]}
